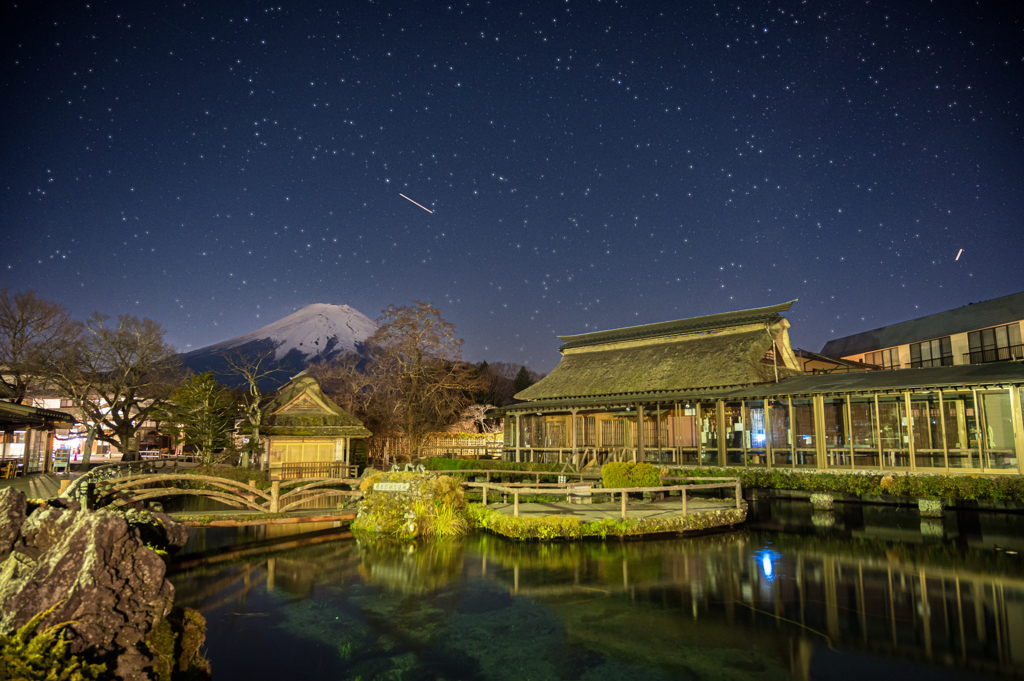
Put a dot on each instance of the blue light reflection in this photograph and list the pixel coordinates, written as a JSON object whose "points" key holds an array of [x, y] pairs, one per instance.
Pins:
{"points": [[768, 559]]}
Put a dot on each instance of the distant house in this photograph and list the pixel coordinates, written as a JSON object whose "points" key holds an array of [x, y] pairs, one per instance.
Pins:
{"points": [[308, 435], [978, 333]]}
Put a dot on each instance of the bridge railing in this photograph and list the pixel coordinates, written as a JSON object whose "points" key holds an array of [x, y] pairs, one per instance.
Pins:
{"points": [[119, 469], [137, 488]]}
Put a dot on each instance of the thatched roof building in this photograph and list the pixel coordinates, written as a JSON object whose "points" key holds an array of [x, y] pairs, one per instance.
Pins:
{"points": [[309, 435], [716, 351]]}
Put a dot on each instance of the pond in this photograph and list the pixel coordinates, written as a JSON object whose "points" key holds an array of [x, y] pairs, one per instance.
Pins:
{"points": [[798, 595]]}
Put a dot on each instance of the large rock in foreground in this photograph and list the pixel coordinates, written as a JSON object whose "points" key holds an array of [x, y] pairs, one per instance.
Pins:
{"points": [[98, 565]]}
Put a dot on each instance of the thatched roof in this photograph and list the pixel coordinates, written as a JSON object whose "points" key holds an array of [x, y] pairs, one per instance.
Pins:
{"points": [[302, 409], [730, 357], [710, 322]]}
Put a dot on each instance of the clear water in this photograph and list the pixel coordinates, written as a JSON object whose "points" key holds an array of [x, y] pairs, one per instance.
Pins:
{"points": [[797, 595]]}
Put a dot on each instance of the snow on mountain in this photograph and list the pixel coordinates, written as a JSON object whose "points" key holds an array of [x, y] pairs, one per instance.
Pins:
{"points": [[318, 330]]}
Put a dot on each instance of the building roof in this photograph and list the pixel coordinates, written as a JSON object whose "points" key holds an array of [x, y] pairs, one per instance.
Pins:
{"points": [[839, 362], [21, 415], [932, 378], [302, 409], [676, 327], [705, 361], [964, 375], [970, 317]]}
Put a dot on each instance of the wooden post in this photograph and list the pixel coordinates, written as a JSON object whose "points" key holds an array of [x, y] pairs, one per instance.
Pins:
{"points": [[252, 497], [275, 496], [64, 484], [684, 500], [623, 505], [739, 496], [485, 493], [515, 502]]}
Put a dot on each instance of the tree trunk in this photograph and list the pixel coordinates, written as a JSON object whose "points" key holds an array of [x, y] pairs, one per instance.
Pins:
{"points": [[90, 438]]}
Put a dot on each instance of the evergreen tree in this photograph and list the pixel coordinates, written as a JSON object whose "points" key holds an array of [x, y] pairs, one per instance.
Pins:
{"points": [[523, 380], [203, 415]]}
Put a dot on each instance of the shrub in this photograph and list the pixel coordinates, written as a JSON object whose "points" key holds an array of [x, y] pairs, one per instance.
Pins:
{"points": [[628, 474], [30, 654]]}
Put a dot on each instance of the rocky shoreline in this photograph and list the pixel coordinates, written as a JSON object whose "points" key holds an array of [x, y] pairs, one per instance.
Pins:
{"points": [[101, 577]]}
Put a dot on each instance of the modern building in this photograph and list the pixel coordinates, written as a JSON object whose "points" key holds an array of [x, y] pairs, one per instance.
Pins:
{"points": [[977, 333], [308, 435], [726, 389]]}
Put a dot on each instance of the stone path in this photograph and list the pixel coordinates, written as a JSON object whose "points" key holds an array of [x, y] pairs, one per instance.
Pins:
{"points": [[38, 485]]}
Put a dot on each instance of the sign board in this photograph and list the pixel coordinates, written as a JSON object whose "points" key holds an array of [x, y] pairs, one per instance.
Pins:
{"points": [[133, 444], [391, 487]]}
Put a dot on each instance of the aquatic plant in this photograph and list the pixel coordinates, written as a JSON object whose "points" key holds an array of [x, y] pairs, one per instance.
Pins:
{"points": [[175, 644], [31, 654], [570, 527], [431, 506]]}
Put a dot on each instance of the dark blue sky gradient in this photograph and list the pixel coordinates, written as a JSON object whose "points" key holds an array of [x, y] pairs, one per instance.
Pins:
{"points": [[590, 165]]}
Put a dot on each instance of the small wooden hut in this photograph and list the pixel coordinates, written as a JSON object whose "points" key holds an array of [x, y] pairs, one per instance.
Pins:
{"points": [[308, 435]]}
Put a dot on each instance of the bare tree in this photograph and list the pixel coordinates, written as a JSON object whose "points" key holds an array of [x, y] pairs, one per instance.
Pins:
{"points": [[368, 390], [32, 331], [420, 358], [118, 375], [252, 368]]}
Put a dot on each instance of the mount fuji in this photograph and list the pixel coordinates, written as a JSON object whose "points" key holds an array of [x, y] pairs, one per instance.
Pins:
{"points": [[316, 332]]}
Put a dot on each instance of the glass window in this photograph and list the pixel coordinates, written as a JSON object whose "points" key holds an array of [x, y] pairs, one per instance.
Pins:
{"points": [[959, 412], [863, 427], [755, 435], [895, 438], [779, 434], [709, 434], [1000, 452], [887, 359], [997, 344], [734, 434], [836, 435], [926, 422], [802, 416], [933, 353]]}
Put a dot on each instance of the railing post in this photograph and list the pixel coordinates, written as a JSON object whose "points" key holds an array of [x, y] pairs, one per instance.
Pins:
{"points": [[275, 496], [623, 505], [485, 493], [739, 496], [684, 501], [515, 502]]}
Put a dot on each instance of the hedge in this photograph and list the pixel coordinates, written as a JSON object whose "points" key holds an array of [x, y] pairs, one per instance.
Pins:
{"points": [[967, 487], [621, 474]]}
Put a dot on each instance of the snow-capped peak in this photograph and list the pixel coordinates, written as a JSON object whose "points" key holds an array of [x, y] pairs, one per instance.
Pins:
{"points": [[314, 330]]}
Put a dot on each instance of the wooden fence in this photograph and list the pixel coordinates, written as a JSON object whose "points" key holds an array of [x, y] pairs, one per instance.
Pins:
{"points": [[450, 445], [561, 489]]}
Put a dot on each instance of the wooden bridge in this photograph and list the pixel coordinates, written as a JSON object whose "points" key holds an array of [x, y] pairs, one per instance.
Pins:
{"points": [[145, 487]]}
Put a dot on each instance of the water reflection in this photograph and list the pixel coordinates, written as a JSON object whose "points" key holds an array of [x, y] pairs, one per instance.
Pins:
{"points": [[818, 600]]}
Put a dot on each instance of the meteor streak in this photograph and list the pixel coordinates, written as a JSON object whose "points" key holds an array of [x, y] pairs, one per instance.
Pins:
{"points": [[420, 205]]}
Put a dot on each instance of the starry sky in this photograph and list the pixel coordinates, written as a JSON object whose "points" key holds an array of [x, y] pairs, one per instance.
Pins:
{"points": [[588, 165]]}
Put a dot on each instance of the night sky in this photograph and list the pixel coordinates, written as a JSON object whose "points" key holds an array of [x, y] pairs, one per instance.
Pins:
{"points": [[589, 165]]}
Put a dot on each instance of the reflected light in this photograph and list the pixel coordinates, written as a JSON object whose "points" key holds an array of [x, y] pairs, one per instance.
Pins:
{"points": [[768, 558]]}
